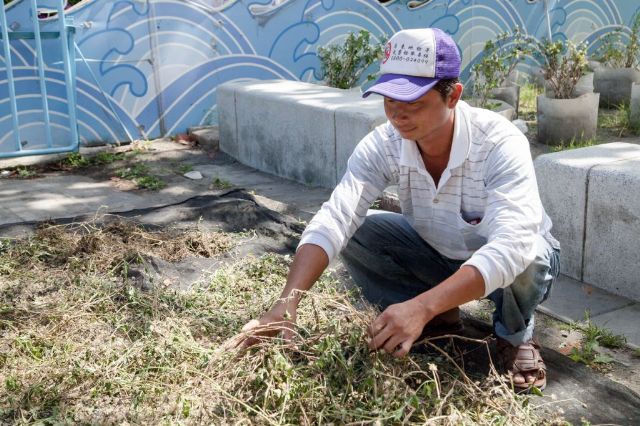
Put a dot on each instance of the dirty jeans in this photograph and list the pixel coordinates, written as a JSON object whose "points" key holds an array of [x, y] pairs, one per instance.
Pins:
{"points": [[391, 263]]}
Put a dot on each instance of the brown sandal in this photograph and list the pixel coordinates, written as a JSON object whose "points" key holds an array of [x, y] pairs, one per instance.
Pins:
{"points": [[521, 360]]}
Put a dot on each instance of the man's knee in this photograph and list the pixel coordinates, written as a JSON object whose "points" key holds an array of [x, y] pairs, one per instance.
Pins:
{"points": [[533, 285]]}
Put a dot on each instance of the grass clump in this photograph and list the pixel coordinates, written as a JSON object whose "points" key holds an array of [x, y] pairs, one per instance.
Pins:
{"points": [[593, 337], [93, 348], [574, 143], [618, 121], [75, 160], [218, 183], [139, 174], [528, 101]]}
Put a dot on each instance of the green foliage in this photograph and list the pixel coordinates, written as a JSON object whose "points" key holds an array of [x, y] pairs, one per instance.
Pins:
{"points": [[218, 183], [563, 63], [343, 64], [592, 338], [574, 143], [184, 168], [528, 101], [75, 160], [618, 121], [26, 172], [139, 174], [615, 52], [499, 59]]}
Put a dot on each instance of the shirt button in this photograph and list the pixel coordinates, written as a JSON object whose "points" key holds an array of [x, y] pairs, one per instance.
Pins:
{"points": [[436, 201]]}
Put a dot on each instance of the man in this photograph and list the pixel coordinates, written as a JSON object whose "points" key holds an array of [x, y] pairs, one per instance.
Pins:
{"points": [[472, 224]]}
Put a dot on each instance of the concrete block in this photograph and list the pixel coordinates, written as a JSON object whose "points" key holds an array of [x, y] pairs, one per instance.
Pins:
{"points": [[612, 245], [207, 137], [562, 180], [564, 120], [614, 84], [634, 109], [352, 124], [228, 125], [570, 299], [288, 128]]}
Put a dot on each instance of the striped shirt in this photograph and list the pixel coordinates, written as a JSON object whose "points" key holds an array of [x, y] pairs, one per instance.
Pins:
{"points": [[486, 208]]}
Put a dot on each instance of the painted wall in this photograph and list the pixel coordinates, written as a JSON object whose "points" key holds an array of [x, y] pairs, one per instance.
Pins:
{"points": [[160, 61]]}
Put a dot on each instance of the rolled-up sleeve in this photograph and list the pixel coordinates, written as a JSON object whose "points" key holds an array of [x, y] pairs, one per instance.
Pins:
{"points": [[513, 215], [367, 175]]}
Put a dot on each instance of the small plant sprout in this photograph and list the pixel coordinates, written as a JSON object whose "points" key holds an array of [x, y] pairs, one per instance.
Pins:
{"points": [[593, 337]]}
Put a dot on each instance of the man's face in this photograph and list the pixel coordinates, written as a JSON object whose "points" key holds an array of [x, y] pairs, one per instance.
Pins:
{"points": [[423, 118]]}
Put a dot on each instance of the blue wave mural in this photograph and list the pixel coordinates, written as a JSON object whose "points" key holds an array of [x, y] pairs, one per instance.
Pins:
{"points": [[157, 63]]}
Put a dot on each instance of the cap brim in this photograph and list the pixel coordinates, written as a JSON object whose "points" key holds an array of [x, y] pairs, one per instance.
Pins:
{"points": [[404, 88]]}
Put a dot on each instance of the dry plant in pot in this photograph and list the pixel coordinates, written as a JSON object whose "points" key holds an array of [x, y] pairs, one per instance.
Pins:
{"points": [[490, 74], [619, 55], [563, 117]]}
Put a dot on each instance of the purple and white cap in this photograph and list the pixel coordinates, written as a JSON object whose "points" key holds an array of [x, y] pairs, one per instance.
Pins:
{"points": [[414, 61]]}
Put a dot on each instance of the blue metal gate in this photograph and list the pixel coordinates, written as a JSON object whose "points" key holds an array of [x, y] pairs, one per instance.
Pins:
{"points": [[45, 74]]}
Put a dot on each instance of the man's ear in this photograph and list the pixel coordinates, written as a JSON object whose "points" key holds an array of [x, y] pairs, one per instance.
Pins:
{"points": [[455, 95]]}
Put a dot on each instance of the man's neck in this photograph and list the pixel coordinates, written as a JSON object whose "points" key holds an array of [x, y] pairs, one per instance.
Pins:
{"points": [[437, 145]]}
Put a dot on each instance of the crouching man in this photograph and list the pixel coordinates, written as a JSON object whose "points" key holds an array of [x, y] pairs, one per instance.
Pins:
{"points": [[472, 224]]}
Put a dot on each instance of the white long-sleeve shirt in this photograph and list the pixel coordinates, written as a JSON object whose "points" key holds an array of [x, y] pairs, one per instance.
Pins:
{"points": [[486, 208]]}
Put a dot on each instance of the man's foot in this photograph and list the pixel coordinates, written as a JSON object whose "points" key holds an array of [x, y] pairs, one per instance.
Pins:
{"points": [[523, 364], [448, 322]]}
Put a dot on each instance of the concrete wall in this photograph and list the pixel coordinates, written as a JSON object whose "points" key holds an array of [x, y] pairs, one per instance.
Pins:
{"points": [[591, 195], [301, 131]]}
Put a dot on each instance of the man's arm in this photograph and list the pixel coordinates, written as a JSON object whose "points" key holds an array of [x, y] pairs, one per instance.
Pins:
{"points": [[401, 324], [308, 264]]}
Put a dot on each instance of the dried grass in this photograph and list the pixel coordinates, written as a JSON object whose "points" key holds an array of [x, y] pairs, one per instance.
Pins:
{"points": [[92, 348]]}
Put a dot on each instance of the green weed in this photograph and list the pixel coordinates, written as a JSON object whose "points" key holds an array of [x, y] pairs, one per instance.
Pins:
{"points": [[593, 337], [528, 101], [26, 172], [218, 183], [618, 121], [150, 182], [76, 160], [574, 143], [184, 168], [139, 174]]}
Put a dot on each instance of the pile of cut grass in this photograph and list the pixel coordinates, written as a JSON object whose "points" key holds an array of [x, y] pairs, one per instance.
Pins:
{"points": [[79, 343]]}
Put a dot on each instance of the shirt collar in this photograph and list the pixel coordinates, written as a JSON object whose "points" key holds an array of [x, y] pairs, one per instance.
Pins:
{"points": [[410, 155]]}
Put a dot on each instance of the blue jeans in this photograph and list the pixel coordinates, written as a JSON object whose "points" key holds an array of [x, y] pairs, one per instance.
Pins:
{"points": [[391, 263]]}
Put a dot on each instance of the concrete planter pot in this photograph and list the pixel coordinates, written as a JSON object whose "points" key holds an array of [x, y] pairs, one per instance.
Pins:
{"points": [[508, 94], [634, 110], [564, 120], [614, 85], [584, 85], [498, 106]]}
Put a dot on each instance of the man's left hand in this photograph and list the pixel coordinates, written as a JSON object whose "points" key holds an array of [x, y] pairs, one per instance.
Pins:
{"points": [[398, 327]]}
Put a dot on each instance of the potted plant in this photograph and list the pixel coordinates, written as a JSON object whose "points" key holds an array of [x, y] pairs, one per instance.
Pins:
{"points": [[490, 74], [562, 116], [618, 54], [344, 64]]}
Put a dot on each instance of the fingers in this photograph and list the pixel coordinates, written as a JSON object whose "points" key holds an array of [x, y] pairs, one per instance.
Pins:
{"points": [[404, 349]]}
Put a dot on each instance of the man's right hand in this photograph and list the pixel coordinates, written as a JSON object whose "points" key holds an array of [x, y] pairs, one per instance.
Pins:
{"points": [[278, 320], [309, 262]]}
